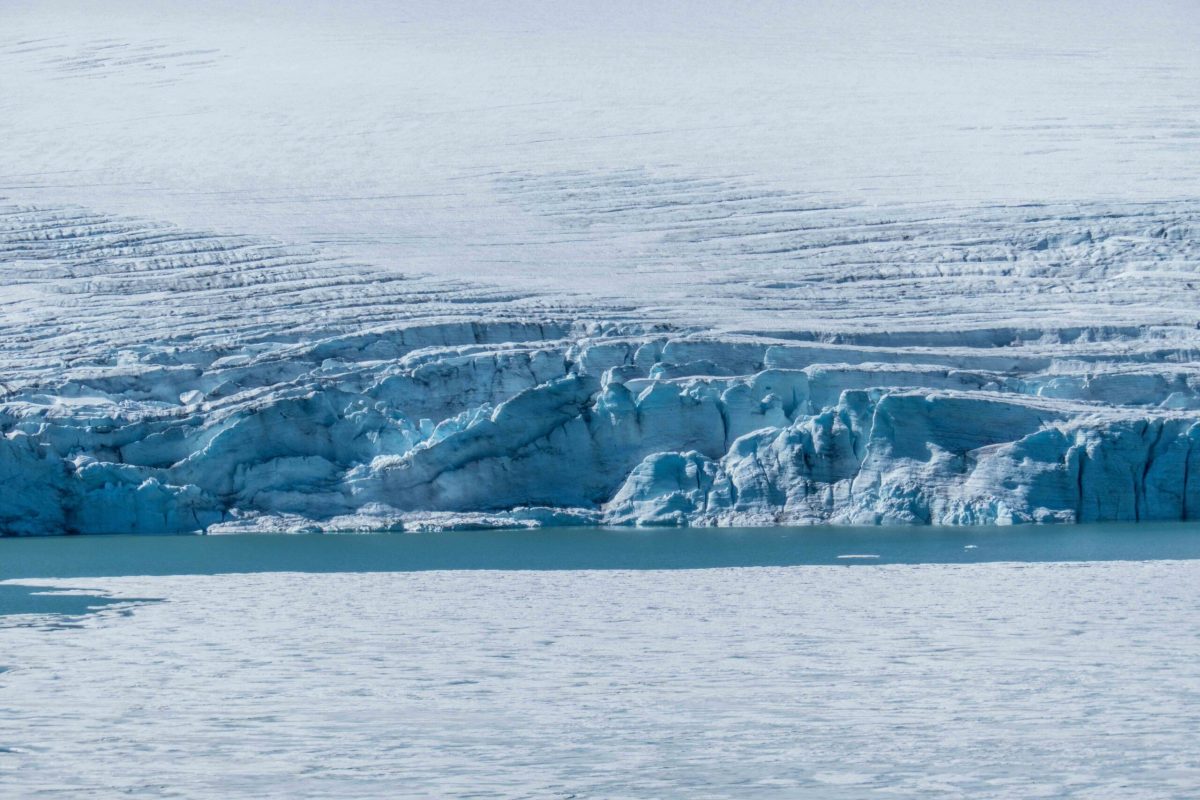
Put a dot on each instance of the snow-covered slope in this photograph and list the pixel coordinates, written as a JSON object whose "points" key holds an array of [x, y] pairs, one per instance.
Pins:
{"points": [[431, 264]]}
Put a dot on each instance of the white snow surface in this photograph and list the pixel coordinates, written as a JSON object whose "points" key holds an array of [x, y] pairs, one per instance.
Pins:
{"points": [[987, 681], [414, 265]]}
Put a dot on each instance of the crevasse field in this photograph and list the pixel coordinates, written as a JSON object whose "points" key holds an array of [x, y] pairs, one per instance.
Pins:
{"points": [[582, 268], [431, 264]]}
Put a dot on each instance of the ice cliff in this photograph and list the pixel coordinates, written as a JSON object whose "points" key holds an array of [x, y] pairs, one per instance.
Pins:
{"points": [[1006, 364], [443, 424]]}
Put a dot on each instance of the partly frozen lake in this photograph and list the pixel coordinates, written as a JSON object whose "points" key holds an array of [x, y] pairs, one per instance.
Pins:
{"points": [[1048, 662]]}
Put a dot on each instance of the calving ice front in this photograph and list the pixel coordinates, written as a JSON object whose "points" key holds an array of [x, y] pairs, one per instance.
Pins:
{"points": [[287, 270], [506, 423]]}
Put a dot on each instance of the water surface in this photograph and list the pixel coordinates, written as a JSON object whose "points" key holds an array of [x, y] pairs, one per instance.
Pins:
{"points": [[1059, 662], [589, 548]]}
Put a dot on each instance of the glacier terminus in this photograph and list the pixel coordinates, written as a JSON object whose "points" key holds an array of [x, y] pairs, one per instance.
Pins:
{"points": [[762, 274]]}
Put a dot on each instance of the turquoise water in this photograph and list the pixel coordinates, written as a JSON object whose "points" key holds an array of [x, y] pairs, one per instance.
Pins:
{"points": [[588, 548], [18, 599], [561, 549]]}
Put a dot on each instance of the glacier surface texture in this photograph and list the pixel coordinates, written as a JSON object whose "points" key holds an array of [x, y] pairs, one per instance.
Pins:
{"points": [[428, 265]]}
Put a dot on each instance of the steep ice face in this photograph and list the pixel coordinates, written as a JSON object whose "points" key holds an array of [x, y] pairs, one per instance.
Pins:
{"points": [[274, 269], [439, 425]]}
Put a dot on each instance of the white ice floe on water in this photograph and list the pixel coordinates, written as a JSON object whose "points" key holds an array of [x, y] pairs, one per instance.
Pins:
{"points": [[427, 265], [925, 681]]}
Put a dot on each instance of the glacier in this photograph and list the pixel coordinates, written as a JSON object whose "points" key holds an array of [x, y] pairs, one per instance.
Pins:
{"points": [[449, 424], [316, 274]]}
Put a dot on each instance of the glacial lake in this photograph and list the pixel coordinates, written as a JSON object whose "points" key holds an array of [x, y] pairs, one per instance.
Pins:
{"points": [[589, 548], [786, 663], [561, 549]]}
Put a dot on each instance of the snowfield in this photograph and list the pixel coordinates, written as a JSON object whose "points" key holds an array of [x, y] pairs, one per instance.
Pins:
{"points": [[426, 265], [999, 680]]}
